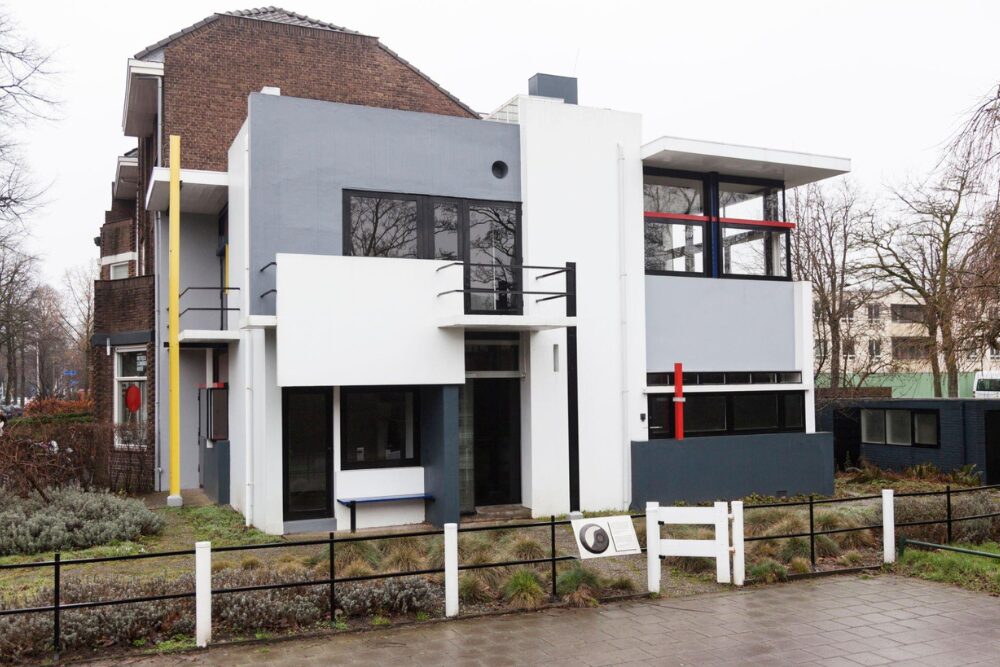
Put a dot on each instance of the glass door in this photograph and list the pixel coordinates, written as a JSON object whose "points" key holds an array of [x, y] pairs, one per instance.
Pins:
{"points": [[307, 456]]}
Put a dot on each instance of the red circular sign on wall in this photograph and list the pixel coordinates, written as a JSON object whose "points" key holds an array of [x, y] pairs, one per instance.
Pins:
{"points": [[133, 398]]}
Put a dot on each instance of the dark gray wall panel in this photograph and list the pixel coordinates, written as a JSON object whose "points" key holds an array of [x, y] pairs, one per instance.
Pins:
{"points": [[304, 153], [728, 467], [439, 452]]}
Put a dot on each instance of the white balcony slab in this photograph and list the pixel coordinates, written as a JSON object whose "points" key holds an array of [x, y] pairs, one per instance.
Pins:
{"points": [[201, 191], [208, 336], [540, 322]]}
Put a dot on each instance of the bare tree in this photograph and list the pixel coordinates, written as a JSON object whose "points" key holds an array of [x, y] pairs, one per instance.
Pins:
{"points": [[77, 313], [828, 251]]}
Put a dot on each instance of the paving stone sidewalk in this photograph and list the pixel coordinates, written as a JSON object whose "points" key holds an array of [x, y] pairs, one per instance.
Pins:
{"points": [[839, 621]]}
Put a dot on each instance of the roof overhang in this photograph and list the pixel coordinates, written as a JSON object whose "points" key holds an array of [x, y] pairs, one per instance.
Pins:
{"points": [[126, 177], [201, 191], [141, 82], [745, 161]]}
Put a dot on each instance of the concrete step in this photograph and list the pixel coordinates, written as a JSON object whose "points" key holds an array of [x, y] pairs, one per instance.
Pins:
{"points": [[500, 513]]}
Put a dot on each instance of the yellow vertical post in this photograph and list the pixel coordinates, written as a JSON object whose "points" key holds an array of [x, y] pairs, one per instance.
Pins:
{"points": [[173, 321]]}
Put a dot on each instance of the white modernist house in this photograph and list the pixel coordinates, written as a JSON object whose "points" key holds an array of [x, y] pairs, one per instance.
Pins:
{"points": [[422, 315]]}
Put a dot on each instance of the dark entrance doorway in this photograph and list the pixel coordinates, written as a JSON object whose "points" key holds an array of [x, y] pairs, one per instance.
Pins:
{"points": [[307, 452], [846, 437], [490, 442], [993, 446]]}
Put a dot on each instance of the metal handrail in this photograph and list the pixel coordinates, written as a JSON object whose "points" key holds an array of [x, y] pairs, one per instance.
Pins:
{"points": [[266, 266], [220, 289], [554, 269]]}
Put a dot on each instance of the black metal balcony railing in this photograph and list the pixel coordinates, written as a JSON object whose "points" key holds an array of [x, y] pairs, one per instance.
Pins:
{"points": [[222, 309], [507, 289]]}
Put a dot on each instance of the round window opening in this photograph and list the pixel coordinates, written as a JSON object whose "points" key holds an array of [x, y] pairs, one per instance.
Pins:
{"points": [[500, 169]]}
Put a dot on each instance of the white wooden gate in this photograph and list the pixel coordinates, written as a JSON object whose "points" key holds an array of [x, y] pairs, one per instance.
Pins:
{"points": [[658, 547]]}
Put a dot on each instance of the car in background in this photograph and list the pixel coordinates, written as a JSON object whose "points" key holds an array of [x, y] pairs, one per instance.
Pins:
{"points": [[986, 384]]}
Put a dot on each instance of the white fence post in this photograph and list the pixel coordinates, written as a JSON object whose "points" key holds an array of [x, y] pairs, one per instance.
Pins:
{"points": [[888, 527], [203, 592], [739, 554], [450, 569], [722, 543], [653, 547]]}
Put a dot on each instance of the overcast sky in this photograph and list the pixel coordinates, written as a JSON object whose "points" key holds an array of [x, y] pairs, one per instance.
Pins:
{"points": [[884, 83]]}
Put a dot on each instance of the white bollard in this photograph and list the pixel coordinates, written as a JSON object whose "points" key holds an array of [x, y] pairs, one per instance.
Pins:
{"points": [[203, 592], [722, 543], [739, 553], [450, 569], [888, 527], [653, 547]]}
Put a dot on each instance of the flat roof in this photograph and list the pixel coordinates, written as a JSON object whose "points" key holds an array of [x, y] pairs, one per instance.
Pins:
{"points": [[792, 167]]}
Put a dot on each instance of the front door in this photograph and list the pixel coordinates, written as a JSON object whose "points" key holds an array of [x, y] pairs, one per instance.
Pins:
{"points": [[496, 437], [307, 452], [993, 446]]}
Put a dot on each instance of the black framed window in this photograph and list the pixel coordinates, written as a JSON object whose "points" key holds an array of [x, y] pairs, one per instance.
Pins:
{"points": [[900, 427], [674, 194], [730, 413], [751, 201], [911, 348], [674, 246], [661, 379], [379, 428], [447, 220], [754, 252], [494, 252], [382, 226]]}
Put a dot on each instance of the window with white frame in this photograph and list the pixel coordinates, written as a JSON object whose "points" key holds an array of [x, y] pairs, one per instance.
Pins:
{"points": [[118, 270], [995, 349], [130, 390]]}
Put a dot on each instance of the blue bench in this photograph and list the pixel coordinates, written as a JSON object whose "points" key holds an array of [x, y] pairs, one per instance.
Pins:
{"points": [[354, 502]]}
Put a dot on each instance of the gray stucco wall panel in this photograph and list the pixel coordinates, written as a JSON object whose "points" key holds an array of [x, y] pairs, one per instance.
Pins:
{"points": [[719, 324], [728, 467], [304, 153], [439, 452]]}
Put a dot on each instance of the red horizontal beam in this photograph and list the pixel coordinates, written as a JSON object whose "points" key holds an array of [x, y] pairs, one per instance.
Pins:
{"points": [[677, 216], [774, 224]]}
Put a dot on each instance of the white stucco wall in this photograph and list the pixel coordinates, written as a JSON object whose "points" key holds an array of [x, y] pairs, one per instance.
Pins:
{"points": [[582, 193]]}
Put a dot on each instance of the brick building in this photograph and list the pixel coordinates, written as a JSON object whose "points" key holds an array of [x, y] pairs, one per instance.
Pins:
{"points": [[195, 83]]}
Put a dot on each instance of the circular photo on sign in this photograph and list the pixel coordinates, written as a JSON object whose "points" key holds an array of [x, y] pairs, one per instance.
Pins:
{"points": [[594, 538], [133, 398]]}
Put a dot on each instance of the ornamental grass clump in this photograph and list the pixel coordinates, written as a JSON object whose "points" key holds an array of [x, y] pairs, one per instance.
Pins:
{"points": [[524, 590], [72, 518]]}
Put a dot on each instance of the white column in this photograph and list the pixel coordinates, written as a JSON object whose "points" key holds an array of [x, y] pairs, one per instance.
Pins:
{"points": [[450, 569], [739, 553], [653, 547], [888, 527], [722, 543], [203, 592]]}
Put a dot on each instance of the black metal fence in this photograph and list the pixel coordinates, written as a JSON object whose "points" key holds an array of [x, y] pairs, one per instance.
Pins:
{"points": [[57, 564]]}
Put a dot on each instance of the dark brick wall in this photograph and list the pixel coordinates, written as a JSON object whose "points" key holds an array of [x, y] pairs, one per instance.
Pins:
{"points": [[209, 73], [117, 237], [121, 209]]}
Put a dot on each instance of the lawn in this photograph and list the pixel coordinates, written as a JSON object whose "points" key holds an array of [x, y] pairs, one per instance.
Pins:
{"points": [[975, 573]]}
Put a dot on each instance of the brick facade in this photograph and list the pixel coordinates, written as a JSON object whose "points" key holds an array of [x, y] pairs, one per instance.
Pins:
{"points": [[208, 74]]}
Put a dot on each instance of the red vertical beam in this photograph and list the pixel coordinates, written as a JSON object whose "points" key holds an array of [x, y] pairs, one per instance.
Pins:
{"points": [[679, 401]]}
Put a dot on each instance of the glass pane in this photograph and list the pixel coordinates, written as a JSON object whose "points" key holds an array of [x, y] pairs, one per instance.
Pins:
{"points": [[119, 271], [873, 426], [926, 425], [749, 202], [753, 412], [492, 356], [674, 247], [131, 402], [744, 251], [665, 194], [704, 413], [795, 410], [446, 231], [132, 364], [791, 377], [897, 427], [383, 227], [493, 246], [307, 450], [659, 379], [779, 253], [377, 427]]}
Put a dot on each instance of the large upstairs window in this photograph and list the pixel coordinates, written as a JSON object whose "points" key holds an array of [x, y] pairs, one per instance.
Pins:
{"points": [[485, 236], [715, 226]]}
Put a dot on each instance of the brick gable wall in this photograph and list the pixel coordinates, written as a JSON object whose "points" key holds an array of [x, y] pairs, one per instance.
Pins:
{"points": [[209, 73]]}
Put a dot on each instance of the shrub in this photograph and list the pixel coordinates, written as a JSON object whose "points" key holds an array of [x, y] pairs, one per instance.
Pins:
{"points": [[475, 550], [363, 551], [58, 406], [355, 568], [525, 548], [71, 519], [399, 595], [472, 590], [584, 596], [800, 566], [795, 547], [850, 559], [768, 571], [524, 590], [826, 546], [571, 579], [926, 508]]}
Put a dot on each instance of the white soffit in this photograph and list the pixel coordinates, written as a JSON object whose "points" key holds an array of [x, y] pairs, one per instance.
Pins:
{"points": [[748, 161], [126, 177], [201, 191], [140, 109]]}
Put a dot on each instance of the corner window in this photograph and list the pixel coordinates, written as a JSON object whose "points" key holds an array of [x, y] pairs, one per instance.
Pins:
{"points": [[734, 413], [674, 246], [750, 202], [906, 428], [669, 194], [130, 394], [754, 252], [118, 271], [378, 428]]}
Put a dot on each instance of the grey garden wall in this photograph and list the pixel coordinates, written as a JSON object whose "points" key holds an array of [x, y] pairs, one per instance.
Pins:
{"points": [[727, 467], [719, 325], [304, 153]]}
